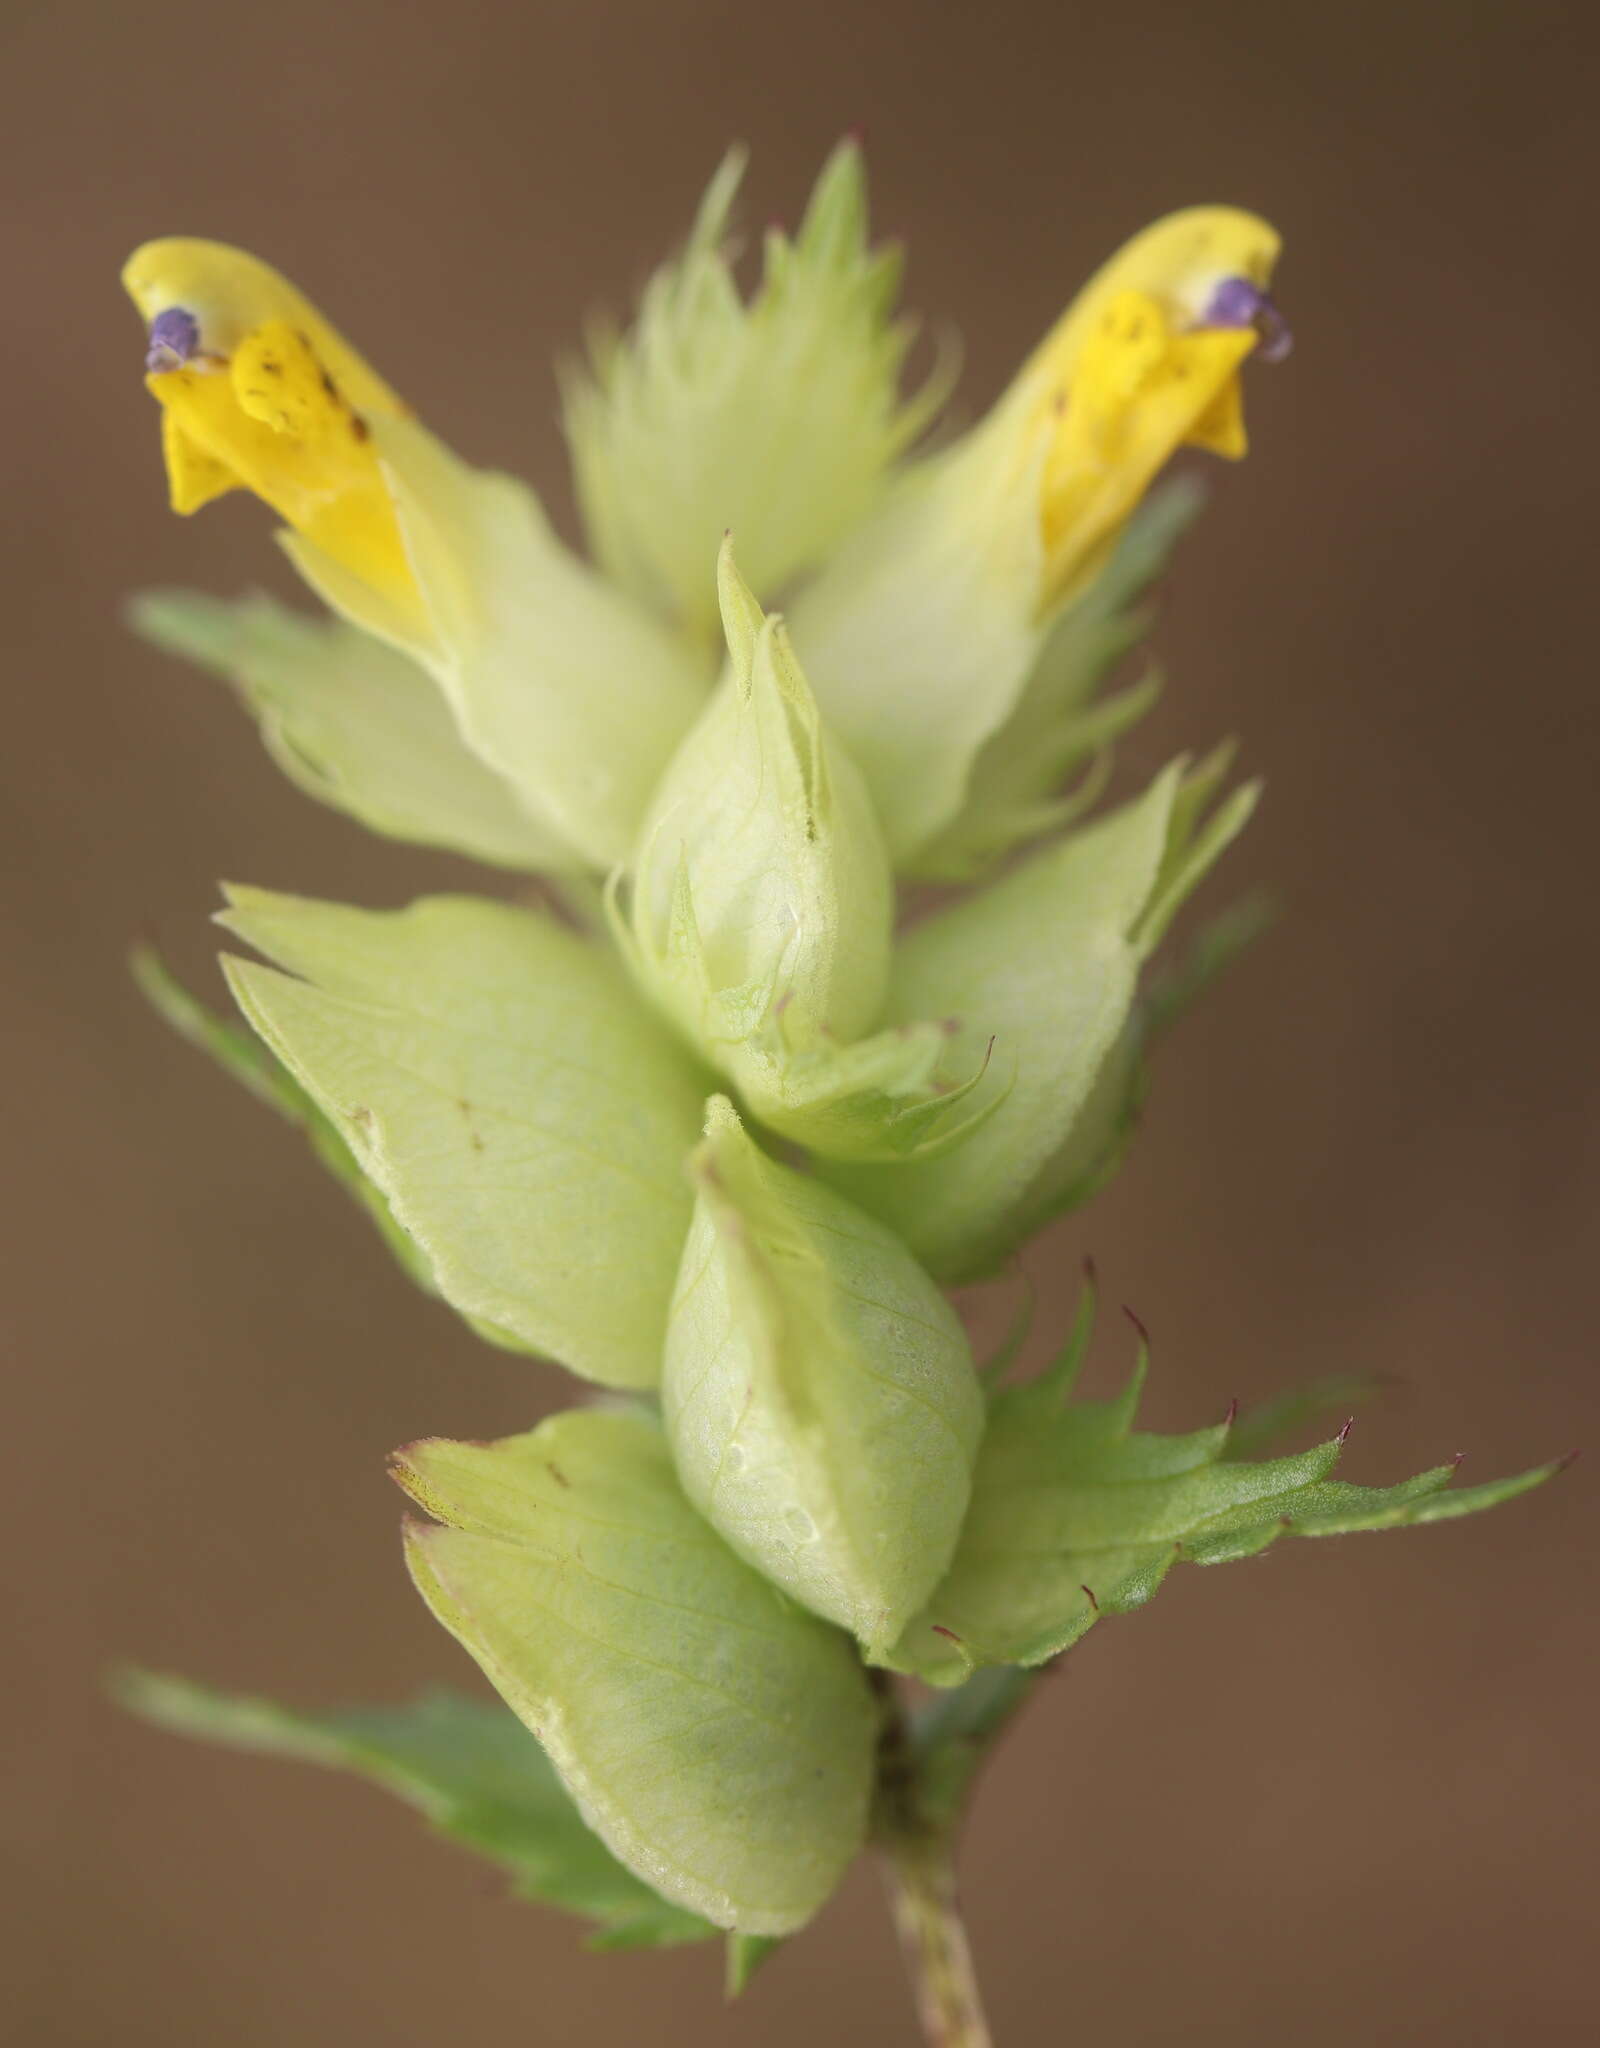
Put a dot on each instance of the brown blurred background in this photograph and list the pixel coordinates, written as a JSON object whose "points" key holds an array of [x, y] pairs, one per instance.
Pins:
{"points": [[1345, 1794]]}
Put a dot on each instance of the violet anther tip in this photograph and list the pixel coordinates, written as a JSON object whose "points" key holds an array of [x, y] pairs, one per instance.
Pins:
{"points": [[174, 340], [1236, 302]]}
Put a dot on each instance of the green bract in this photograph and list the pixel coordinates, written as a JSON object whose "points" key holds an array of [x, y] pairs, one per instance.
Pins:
{"points": [[1075, 1515], [818, 1391], [778, 419], [356, 725], [718, 1740], [524, 1119]]}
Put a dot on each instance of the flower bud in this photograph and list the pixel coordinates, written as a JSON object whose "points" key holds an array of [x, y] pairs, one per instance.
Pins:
{"points": [[761, 912], [818, 1390]]}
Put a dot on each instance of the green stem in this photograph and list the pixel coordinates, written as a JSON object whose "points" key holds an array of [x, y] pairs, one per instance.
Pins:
{"points": [[925, 1773], [934, 1943]]}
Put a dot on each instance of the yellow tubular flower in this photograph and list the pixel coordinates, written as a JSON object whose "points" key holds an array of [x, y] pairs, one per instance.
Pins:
{"points": [[568, 691], [927, 639], [258, 390], [1144, 362]]}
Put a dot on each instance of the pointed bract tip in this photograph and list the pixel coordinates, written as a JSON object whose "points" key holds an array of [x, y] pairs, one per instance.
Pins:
{"points": [[1455, 1462], [1232, 1415], [1570, 1458], [1344, 1433], [949, 1634], [1091, 1272], [1138, 1323]]}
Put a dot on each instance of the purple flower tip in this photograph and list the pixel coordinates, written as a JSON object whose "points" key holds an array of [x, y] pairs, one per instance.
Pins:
{"points": [[1236, 302], [174, 339]]}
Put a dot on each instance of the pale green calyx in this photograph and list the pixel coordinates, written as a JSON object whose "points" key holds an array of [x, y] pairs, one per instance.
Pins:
{"points": [[357, 725], [818, 1391], [524, 1119], [778, 417], [966, 706], [762, 831], [1041, 768], [921, 632], [718, 1740], [567, 689], [760, 911], [1044, 966]]}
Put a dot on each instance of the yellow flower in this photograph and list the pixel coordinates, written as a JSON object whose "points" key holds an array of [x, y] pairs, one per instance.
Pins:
{"points": [[258, 391], [558, 683], [1145, 361], [929, 640]]}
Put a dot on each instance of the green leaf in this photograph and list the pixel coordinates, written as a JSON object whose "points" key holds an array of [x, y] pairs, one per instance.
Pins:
{"points": [[1076, 1515], [471, 1768], [818, 1391], [777, 418], [516, 1107], [354, 724], [717, 1739], [1043, 968], [237, 1052]]}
